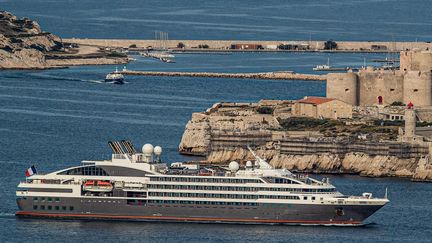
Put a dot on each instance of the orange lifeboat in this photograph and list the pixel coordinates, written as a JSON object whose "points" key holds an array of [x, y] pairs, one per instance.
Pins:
{"points": [[97, 186]]}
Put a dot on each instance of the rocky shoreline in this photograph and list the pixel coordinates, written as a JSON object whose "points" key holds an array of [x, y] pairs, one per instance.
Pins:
{"points": [[24, 46], [223, 132], [416, 169]]}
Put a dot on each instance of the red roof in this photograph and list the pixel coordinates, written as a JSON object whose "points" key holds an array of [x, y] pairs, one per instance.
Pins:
{"points": [[314, 100]]}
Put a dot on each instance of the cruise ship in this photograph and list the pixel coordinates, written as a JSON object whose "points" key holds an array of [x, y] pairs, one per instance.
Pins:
{"points": [[138, 186]]}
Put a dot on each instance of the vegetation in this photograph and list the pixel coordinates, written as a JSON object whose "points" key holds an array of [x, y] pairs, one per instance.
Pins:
{"points": [[424, 124], [380, 129], [265, 110], [397, 103], [388, 123], [330, 45], [204, 46], [116, 54], [181, 45], [306, 123], [133, 46]]}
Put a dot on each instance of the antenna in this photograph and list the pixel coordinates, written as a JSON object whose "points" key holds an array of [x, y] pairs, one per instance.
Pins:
{"points": [[262, 163]]}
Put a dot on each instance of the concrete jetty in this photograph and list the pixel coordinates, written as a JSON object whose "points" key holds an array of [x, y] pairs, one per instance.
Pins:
{"points": [[288, 75], [248, 45]]}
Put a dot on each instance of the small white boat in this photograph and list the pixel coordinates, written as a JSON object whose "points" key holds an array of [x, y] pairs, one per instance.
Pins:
{"points": [[167, 60], [327, 67], [115, 77]]}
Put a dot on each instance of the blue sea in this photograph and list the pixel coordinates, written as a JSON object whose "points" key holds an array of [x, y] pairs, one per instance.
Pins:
{"points": [[57, 118]]}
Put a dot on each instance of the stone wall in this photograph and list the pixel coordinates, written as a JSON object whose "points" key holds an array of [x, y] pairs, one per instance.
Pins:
{"points": [[417, 88], [418, 169], [416, 60], [343, 86], [387, 84], [226, 44]]}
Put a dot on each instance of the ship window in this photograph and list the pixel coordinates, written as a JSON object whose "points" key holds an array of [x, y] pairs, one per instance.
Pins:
{"points": [[71, 208], [50, 207], [63, 207], [49, 199], [57, 208], [35, 199], [85, 170], [57, 199], [35, 207], [42, 199], [42, 207], [304, 198], [313, 198]]}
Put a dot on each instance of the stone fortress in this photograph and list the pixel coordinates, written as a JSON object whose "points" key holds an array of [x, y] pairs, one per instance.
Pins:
{"points": [[412, 83]]}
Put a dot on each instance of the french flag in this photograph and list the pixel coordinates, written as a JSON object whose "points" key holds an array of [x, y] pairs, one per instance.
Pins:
{"points": [[31, 171]]}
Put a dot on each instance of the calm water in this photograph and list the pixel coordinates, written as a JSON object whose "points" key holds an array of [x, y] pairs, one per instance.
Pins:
{"points": [[56, 118], [225, 19]]}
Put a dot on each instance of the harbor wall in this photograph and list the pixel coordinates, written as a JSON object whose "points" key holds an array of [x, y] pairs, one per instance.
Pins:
{"points": [[267, 75], [226, 44]]}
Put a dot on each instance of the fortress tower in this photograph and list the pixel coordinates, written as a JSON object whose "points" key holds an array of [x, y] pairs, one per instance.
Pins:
{"points": [[343, 86], [417, 88], [412, 83]]}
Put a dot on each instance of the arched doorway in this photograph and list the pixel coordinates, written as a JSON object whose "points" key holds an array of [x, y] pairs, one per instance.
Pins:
{"points": [[380, 100]]}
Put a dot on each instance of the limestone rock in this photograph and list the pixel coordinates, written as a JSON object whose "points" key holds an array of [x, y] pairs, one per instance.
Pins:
{"points": [[23, 44]]}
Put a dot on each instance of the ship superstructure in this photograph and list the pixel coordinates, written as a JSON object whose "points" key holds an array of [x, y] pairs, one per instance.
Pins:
{"points": [[137, 186]]}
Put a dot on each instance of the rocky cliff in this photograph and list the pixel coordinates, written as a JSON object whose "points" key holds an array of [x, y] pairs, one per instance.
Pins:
{"points": [[202, 136], [418, 169], [23, 44]]}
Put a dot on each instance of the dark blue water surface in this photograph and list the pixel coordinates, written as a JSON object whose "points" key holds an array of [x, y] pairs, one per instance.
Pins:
{"points": [[226, 19], [56, 118]]}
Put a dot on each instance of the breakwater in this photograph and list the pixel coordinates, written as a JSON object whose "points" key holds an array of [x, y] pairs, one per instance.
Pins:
{"points": [[247, 45], [268, 75]]}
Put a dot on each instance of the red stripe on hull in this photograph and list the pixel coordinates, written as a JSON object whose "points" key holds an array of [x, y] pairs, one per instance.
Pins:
{"points": [[201, 219]]}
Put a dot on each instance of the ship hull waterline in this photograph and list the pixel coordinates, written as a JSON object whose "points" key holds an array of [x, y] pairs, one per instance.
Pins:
{"points": [[285, 214]]}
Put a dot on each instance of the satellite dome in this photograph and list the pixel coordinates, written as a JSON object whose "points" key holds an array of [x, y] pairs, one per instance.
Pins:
{"points": [[158, 150], [234, 166], [147, 149], [248, 164]]}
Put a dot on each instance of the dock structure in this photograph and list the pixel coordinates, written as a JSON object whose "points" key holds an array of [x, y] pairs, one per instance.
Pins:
{"points": [[288, 75], [256, 46]]}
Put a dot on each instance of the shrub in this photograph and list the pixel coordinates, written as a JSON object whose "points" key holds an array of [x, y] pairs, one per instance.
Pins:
{"points": [[265, 110], [397, 103], [330, 45], [181, 45], [301, 123]]}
